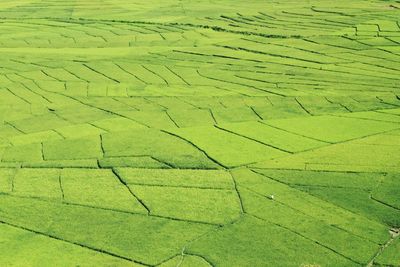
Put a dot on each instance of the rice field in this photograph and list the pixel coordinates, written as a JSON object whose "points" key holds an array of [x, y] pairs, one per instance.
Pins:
{"points": [[199, 133]]}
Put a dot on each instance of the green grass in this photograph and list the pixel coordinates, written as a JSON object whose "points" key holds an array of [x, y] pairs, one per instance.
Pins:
{"points": [[199, 133]]}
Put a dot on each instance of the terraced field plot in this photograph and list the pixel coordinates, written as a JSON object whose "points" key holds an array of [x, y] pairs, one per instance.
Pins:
{"points": [[199, 133]]}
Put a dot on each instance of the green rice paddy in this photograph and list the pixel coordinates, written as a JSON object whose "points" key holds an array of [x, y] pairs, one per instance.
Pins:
{"points": [[199, 133]]}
